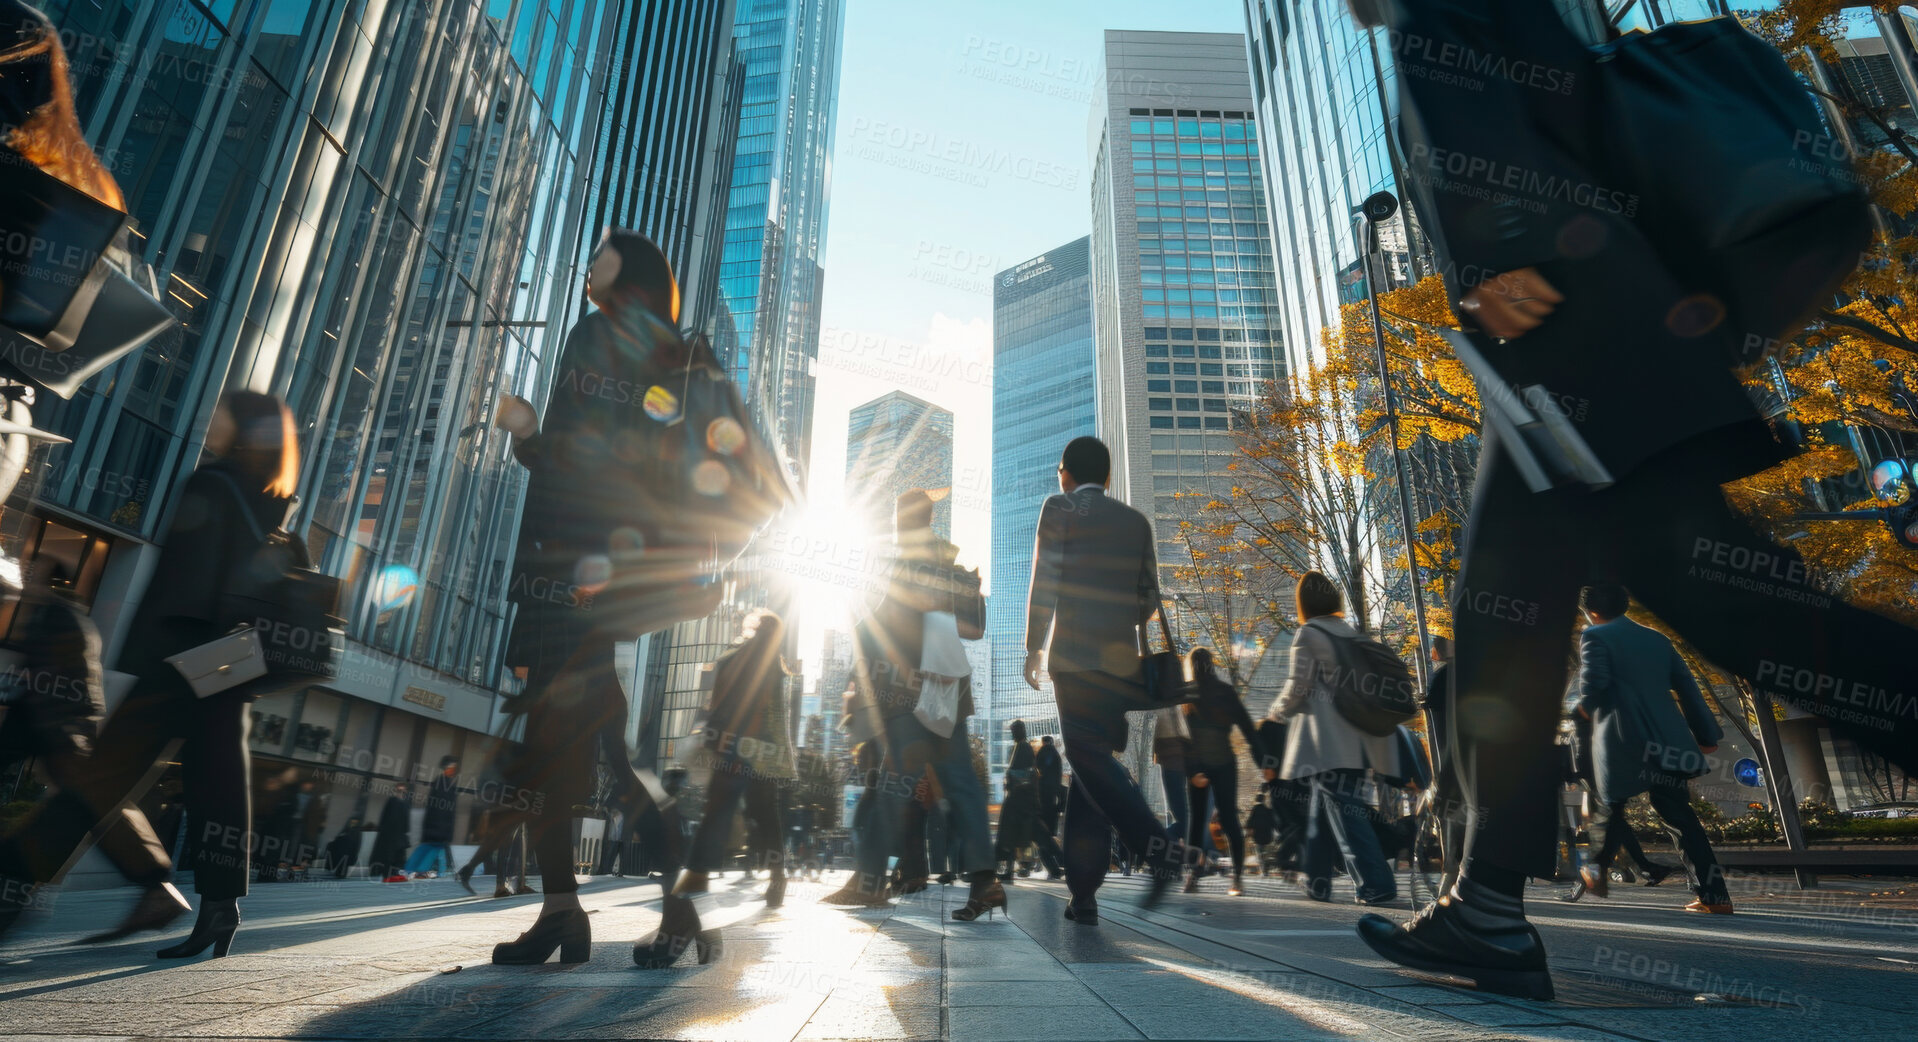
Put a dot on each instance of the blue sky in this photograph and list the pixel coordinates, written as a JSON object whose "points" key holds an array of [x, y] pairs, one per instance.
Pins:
{"points": [[961, 148]]}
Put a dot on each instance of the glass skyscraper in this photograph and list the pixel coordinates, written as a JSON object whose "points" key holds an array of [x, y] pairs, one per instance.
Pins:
{"points": [[1182, 286], [1042, 398], [896, 443], [379, 211], [765, 326]]}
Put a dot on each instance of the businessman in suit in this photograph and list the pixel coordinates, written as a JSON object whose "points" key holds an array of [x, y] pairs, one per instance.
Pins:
{"points": [[1642, 742], [1095, 586], [1560, 287]]}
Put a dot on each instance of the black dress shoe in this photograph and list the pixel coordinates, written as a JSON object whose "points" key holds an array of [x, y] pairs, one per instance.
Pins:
{"points": [[1085, 913], [1509, 960], [218, 921], [1658, 874]]}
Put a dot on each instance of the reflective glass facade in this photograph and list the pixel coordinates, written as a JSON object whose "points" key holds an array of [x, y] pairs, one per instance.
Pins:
{"points": [[896, 443], [379, 211], [1042, 398], [1184, 289]]}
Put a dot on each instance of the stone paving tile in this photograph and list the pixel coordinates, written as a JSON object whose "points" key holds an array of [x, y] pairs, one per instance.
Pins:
{"points": [[658, 1013], [1019, 993], [1430, 995], [150, 983], [124, 1018], [1012, 970], [860, 1017], [1028, 1023]]}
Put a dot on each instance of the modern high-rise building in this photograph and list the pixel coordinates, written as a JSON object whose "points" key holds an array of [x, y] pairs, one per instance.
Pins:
{"points": [[1184, 321], [380, 213], [896, 443], [1042, 398], [660, 162], [1182, 282], [765, 326]]}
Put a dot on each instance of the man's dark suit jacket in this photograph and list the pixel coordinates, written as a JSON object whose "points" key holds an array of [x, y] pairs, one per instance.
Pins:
{"points": [[1095, 583], [1499, 170], [1626, 677]]}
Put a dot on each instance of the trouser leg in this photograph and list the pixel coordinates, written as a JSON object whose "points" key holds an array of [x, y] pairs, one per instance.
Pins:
{"points": [[968, 829], [1088, 843], [1607, 830], [1628, 842], [768, 840], [1512, 618], [219, 795], [1103, 782], [44, 844], [1754, 608], [724, 794], [1672, 802], [1225, 796]]}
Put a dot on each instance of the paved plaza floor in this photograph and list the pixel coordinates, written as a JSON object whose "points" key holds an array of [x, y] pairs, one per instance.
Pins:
{"points": [[358, 960]]}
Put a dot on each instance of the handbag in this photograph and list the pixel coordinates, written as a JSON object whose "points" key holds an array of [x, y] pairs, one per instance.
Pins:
{"points": [[52, 239], [292, 606], [1169, 679], [943, 668], [222, 664], [1764, 210]]}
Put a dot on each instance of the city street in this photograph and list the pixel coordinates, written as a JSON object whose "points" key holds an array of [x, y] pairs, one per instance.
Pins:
{"points": [[360, 960]]}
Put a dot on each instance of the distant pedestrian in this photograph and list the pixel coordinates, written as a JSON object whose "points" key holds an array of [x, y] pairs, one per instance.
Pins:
{"points": [[394, 836], [435, 850], [1052, 787], [1643, 742], [1212, 770], [1337, 759], [1019, 824]]}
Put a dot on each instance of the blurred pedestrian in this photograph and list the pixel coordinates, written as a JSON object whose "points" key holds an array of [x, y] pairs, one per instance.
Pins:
{"points": [[605, 552], [344, 852], [1052, 788], [1327, 751], [217, 527], [1643, 741], [1094, 588], [394, 837], [1019, 824], [435, 850], [748, 749], [1212, 769]]}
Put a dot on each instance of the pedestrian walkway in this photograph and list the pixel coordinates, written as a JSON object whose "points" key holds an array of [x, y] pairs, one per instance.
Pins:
{"points": [[357, 960]]}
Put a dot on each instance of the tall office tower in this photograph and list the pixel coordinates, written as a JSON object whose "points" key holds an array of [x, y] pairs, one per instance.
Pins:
{"points": [[896, 443], [1182, 285], [776, 215], [1182, 289], [1042, 398], [377, 212], [665, 169], [765, 326]]}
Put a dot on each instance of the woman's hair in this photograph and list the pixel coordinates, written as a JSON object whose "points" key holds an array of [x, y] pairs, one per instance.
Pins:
{"points": [[50, 138], [1318, 596], [638, 266], [265, 446], [765, 637]]}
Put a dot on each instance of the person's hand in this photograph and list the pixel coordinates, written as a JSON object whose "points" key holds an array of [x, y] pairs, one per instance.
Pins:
{"points": [[1199, 780], [1511, 304], [1035, 661], [1708, 749], [516, 416], [1269, 773]]}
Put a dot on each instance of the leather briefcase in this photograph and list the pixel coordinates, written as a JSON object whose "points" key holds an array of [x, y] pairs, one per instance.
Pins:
{"points": [[223, 664]]}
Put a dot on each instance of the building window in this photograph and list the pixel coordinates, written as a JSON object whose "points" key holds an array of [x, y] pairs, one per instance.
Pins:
{"points": [[1185, 422], [1186, 387], [1155, 350], [1215, 405], [1159, 404], [1215, 423], [1188, 405], [1185, 369], [1214, 387], [1158, 385], [1158, 368], [1162, 422]]}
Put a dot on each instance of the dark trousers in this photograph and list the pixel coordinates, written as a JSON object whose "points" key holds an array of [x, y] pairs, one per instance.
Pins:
{"points": [[734, 786], [1019, 825], [218, 791], [1672, 800], [1222, 792], [574, 708], [1172, 779], [1667, 534], [894, 825], [1103, 800]]}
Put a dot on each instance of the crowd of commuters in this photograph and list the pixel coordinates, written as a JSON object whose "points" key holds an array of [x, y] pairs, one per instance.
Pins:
{"points": [[613, 529]]}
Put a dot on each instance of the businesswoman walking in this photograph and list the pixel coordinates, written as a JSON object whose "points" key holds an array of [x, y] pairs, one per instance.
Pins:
{"points": [[225, 510]]}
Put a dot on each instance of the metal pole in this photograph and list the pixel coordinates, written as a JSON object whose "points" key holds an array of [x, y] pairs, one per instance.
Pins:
{"points": [[1778, 782], [1370, 243]]}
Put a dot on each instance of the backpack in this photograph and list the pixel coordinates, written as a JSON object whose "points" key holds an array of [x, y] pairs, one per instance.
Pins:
{"points": [[1372, 688]]}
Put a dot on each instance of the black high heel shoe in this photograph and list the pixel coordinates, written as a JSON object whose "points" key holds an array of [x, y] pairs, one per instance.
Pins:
{"points": [[678, 930], [776, 891], [216, 925], [157, 907], [986, 895], [569, 931]]}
